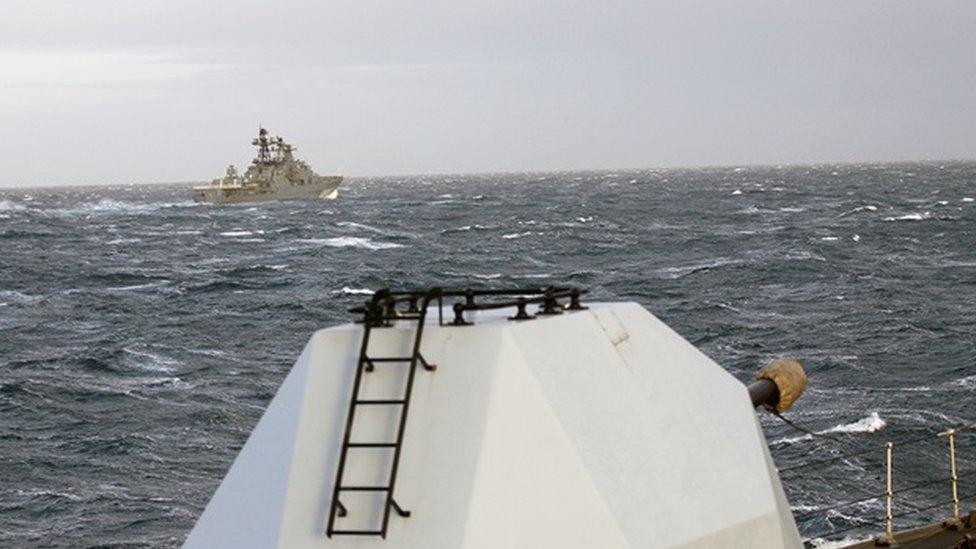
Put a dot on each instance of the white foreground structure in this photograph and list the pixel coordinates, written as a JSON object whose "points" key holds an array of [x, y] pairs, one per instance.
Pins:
{"points": [[593, 429]]}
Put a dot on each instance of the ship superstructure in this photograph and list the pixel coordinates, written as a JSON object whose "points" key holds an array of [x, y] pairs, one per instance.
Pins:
{"points": [[274, 174], [534, 421]]}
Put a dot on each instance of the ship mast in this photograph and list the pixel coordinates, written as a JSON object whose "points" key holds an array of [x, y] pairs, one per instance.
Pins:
{"points": [[264, 147]]}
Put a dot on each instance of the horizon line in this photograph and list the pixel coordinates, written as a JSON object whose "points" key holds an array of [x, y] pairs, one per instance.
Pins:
{"points": [[537, 171]]}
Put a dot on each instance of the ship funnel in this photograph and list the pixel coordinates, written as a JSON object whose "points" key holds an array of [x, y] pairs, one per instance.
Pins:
{"points": [[778, 385]]}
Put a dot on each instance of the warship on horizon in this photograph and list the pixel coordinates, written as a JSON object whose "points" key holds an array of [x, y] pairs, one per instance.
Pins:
{"points": [[273, 175]]}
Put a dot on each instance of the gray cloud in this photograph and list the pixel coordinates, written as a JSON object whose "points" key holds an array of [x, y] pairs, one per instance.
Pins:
{"points": [[117, 91]]}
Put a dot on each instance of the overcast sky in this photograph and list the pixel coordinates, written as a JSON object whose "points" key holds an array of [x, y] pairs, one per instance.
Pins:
{"points": [[117, 91]]}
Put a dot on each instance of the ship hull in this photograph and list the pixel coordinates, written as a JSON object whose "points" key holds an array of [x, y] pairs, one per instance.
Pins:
{"points": [[325, 187]]}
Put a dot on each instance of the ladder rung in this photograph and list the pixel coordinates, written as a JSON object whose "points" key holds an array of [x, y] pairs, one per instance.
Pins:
{"points": [[364, 488], [372, 445], [389, 359], [376, 402], [357, 533]]}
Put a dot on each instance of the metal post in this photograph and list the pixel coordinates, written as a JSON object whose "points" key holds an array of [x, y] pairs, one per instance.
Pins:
{"points": [[951, 434], [889, 530]]}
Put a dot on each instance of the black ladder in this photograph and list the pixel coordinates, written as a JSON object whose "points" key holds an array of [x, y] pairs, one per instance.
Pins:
{"points": [[378, 311]]}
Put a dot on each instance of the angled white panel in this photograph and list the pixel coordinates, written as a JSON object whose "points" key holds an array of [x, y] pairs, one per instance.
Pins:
{"points": [[600, 428]]}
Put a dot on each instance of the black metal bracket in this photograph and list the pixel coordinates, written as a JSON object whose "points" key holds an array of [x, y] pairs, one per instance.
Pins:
{"points": [[399, 510], [521, 314]]}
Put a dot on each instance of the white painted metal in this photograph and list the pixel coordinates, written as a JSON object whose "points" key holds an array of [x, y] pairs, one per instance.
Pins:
{"points": [[600, 428]]}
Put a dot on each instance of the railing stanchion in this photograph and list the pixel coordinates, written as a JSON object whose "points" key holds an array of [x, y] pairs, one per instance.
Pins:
{"points": [[954, 478], [889, 535]]}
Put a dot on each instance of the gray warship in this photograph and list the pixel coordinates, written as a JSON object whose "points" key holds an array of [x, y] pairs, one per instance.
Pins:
{"points": [[275, 174]]}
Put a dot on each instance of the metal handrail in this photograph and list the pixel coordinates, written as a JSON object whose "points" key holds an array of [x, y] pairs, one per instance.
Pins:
{"points": [[889, 536], [382, 306]]}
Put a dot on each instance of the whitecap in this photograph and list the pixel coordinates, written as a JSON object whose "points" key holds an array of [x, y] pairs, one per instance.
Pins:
{"points": [[910, 217], [353, 242], [867, 208], [968, 382], [9, 206], [109, 206], [346, 290], [868, 424], [791, 440], [678, 272], [18, 297], [828, 238], [355, 225], [516, 235], [236, 233], [968, 199], [151, 361], [737, 191], [820, 543], [137, 286], [490, 276]]}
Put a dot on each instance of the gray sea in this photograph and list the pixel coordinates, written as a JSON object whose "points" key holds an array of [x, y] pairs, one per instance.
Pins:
{"points": [[142, 335]]}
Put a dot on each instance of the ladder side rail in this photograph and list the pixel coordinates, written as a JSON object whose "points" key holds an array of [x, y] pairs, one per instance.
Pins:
{"points": [[390, 503], [350, 415]]}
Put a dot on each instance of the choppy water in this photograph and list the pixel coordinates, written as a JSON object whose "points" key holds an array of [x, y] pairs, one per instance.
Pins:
{"points": [[141, 335]]}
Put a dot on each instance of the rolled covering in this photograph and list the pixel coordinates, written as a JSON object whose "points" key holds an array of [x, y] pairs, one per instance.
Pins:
{"points": [[790, 380]]}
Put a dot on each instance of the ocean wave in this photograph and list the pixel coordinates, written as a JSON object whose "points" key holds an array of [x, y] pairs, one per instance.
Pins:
{"points": [[859, 209], [365, 227], [911, 217], [145, 360], [13, 296], [680, 272], [136, 287], [11, 206], [346, 290], [110, 206], [466, 228], [352, 242], [821, 543], [482, 276], [869, 424], [969, 382]]}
